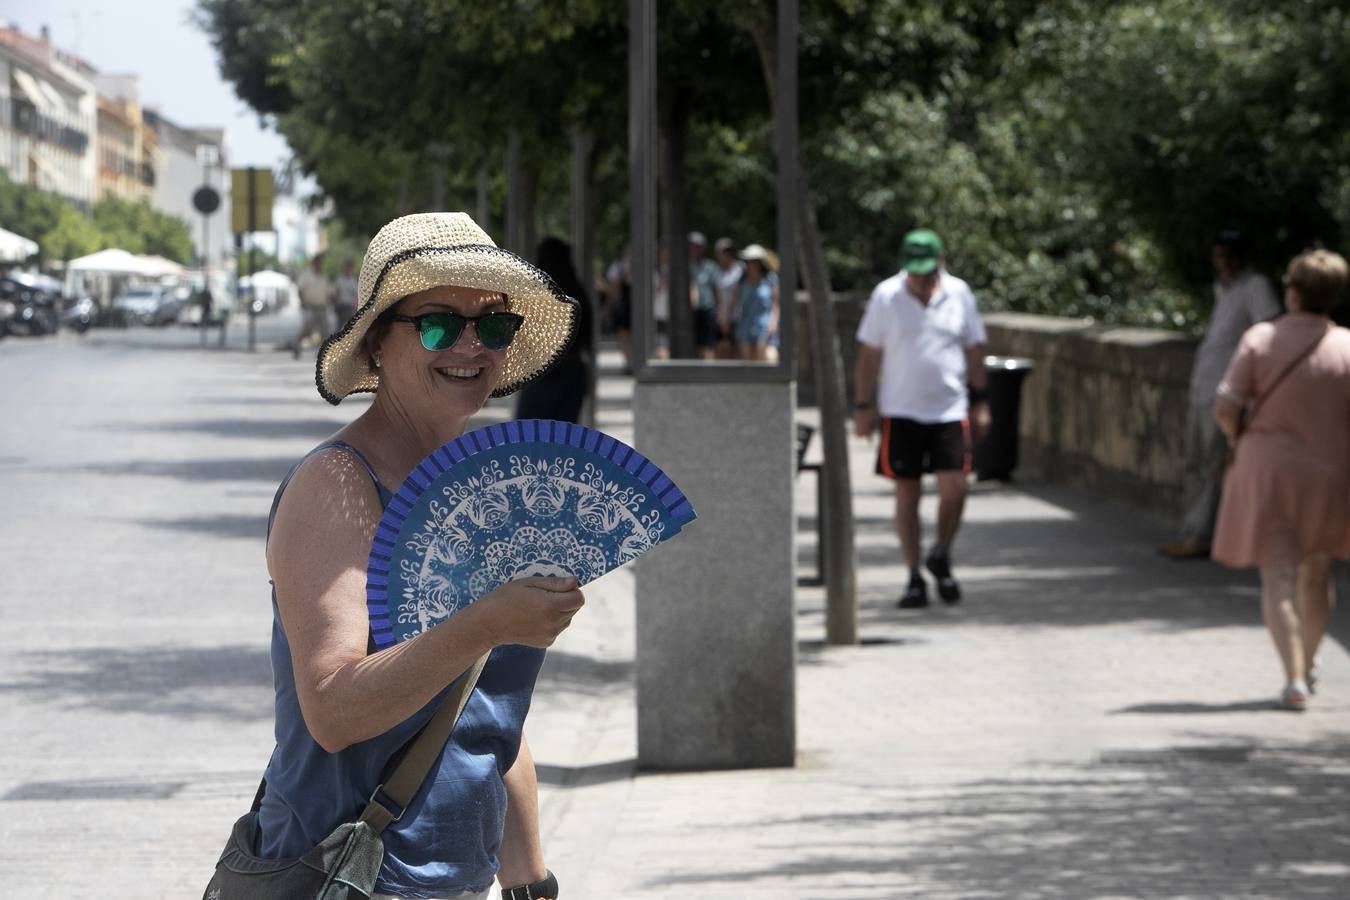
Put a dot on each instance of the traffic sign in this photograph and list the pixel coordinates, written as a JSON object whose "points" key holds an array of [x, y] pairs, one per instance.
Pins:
{"points": [[206, 200], [251, 193]]}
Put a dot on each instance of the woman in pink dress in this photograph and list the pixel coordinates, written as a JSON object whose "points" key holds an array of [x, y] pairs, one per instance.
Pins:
{"points": [[1286, 498]]}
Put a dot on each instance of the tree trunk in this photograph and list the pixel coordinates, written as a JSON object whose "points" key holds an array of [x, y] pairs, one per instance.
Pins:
{"points": [[583, 251], [529, 198], [674, 134], [837, 548], [484, 212], [513, 190]]}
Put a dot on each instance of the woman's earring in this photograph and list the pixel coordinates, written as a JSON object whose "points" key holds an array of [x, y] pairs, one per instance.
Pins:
{"points": [[377, 360]]}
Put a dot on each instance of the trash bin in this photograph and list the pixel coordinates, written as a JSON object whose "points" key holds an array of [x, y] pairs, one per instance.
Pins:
{"points": [[996, 455]]}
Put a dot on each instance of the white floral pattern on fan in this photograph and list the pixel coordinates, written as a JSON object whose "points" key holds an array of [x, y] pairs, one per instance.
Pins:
{"points": [[527, 497], [494, 527]]}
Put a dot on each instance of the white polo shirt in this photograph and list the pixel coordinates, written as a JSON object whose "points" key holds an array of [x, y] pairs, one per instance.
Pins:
{"points": [[923, 348]]}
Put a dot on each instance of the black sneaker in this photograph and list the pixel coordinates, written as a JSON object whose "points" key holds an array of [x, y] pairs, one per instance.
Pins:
{"points": [[941, 567], [916, 595]]}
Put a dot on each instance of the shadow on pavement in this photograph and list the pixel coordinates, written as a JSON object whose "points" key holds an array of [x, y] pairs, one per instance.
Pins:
{"points": [[585, 674], [268, 429], [271, 469], [1186, 709], [584, 776], [231, 682], [253, 528], [1232, 820]]}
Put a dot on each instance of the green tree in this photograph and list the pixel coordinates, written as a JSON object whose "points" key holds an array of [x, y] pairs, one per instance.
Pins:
{"points": [[137, 227], [30, 212], [71, 237]]}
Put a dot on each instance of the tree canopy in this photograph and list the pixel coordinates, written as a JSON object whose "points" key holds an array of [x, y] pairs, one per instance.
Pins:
{"points": [[1078, 155], [62, 233]]}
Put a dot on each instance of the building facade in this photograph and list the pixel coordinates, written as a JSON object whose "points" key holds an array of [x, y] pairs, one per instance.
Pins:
{"points": [[127, 147], [48, 118], [189, 159]]}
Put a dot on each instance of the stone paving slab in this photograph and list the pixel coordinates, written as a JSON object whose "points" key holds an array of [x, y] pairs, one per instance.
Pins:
{"points": [[1093, 723]]}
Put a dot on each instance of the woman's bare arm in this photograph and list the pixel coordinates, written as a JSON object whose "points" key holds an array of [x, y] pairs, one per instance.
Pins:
{"points": [[521, 854]]}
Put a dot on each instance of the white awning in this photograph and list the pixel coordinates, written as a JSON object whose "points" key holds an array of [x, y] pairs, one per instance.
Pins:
{"points": [[29, 86], [15, 247], [163, 266], [265, 280], [113, 261], [54, 99]]}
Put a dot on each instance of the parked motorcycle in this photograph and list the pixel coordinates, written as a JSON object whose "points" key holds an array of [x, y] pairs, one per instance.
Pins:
{"points": [[80, 314]]}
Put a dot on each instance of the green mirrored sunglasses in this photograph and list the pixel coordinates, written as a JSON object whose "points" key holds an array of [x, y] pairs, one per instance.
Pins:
{"points": [[440, 330]]}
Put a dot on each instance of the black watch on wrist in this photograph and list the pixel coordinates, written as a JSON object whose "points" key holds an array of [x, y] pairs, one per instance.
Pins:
{"points": [[544, 889], [862, 406]]}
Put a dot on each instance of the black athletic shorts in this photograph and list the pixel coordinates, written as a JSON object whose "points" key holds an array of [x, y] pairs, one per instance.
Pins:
{"points": [[705, 328], [909, 448]]}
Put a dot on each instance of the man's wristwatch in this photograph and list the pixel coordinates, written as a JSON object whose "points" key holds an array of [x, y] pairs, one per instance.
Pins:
{"points": [[544, 889], [976, 394]]}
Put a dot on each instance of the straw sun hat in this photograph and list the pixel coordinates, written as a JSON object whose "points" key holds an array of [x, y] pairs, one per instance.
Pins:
{"points": [[763, 254], [419, 252]]}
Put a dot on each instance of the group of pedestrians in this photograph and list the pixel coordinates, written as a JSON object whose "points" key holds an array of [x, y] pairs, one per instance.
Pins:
{"points": [[1267, 445], [1267, 439], [325, 303], [733, 296]]}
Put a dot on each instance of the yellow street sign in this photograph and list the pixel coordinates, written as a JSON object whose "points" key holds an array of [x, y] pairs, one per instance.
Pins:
{"points": [[251, 193]]}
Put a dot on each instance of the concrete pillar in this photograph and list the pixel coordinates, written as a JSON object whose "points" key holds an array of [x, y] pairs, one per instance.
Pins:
{"points": [[716, 644]]}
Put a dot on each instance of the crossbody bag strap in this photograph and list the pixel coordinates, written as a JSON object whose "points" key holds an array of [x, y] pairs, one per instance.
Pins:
{"points": [[1284, 373], [391, 798]]}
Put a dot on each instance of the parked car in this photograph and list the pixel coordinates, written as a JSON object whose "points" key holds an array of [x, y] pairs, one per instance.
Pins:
{"points": [[35, 303], [148, 304]]}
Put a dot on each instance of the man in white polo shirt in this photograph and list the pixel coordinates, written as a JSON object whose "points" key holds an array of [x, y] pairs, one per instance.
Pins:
{"points": [[921, 369]]}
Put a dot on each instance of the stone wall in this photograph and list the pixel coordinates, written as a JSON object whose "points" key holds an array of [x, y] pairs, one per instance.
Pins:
{"points": [[1104, 409]]}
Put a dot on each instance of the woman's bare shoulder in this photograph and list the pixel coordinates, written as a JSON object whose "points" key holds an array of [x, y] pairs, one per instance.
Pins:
{"points": [[330, 498]]}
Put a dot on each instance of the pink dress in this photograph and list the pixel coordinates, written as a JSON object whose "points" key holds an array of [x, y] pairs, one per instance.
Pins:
{"points": [[1287, 494]]}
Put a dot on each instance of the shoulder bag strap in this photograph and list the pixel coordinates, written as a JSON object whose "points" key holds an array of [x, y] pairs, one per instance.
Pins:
{"points": [[390, 799], [1284, 373]]}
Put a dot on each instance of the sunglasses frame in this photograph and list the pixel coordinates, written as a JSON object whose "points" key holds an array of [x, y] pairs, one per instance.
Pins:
{"points": [[464, 323]]}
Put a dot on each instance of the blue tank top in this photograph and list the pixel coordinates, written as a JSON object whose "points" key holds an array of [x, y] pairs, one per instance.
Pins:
{"points": [[447, 841]]}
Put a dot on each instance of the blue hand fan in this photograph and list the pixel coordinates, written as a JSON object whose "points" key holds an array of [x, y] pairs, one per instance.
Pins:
{"points": [[529, 497]]}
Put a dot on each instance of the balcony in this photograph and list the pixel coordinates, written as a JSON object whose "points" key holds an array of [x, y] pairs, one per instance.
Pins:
{"points": [[24, 117]]}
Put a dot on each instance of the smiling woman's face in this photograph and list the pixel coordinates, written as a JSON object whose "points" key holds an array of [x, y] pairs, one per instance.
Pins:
{"points": [[438, 387]]}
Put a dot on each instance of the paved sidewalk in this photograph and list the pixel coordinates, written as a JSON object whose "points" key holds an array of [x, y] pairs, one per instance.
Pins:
{"points": [[1094, 722]]}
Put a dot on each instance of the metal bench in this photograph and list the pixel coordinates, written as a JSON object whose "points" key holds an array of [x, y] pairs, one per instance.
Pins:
{"points": [[804, 434]]}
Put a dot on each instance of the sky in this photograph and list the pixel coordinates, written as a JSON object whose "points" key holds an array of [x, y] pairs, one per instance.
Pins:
{"points": [[177, 65]]}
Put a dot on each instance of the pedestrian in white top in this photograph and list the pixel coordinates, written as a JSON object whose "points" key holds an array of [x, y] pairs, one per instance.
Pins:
{"points": [[316, 296], [344, 292], [1241, 299], [921, 368]]}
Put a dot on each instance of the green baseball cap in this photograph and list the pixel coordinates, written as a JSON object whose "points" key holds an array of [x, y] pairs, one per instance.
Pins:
{"points": [[921, 251]]}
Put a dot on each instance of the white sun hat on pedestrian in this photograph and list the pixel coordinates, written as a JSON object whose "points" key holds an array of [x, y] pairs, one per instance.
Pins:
{"points": [[428, 250], [763, 254]]}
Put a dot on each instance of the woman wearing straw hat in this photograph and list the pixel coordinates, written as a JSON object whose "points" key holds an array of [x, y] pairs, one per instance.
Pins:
{"points": [[759, 302], [446, 319]]}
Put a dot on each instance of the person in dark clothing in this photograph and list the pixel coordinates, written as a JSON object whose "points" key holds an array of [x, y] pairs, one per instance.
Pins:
{"points": [[560, 392]]}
